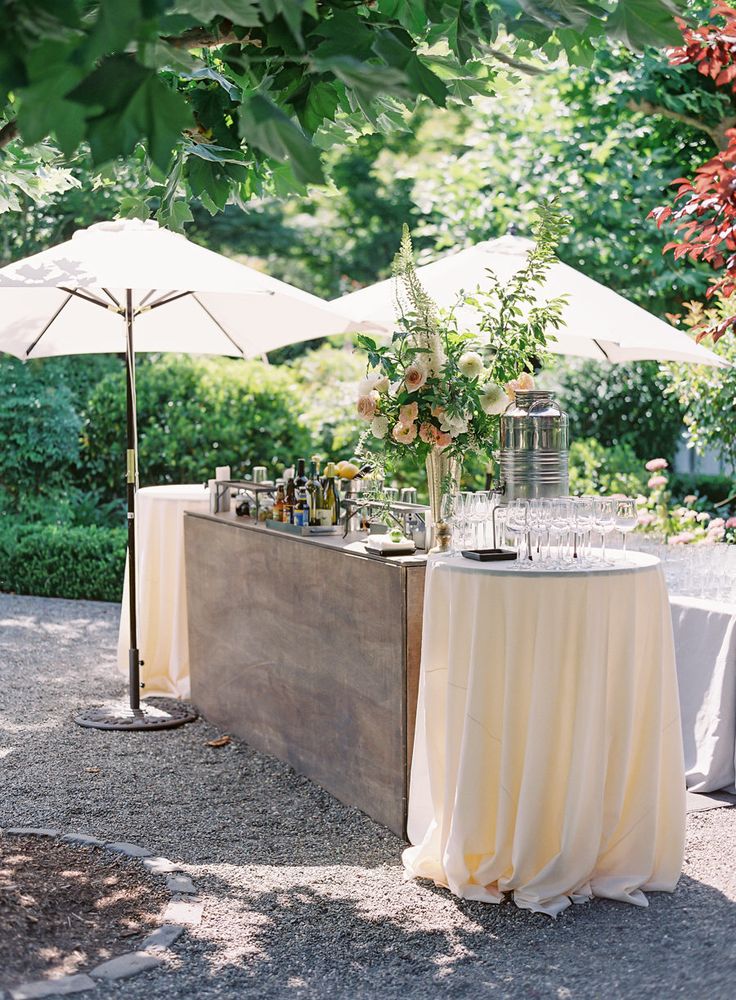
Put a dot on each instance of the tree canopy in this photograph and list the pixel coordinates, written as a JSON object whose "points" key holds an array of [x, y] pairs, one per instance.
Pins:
{"points": [[228, 99]]}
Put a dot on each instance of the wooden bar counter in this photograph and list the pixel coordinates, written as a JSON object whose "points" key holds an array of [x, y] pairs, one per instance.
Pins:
{"points": [[308, 648]]}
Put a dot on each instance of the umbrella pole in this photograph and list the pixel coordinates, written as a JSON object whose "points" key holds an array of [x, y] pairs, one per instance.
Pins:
{"points": [[134, 661], [165, 713]]}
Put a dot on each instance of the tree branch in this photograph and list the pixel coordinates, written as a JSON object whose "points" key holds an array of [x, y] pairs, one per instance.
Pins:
{"points": [[717, 132], [8, 132], [209, 38], [523, 67]]}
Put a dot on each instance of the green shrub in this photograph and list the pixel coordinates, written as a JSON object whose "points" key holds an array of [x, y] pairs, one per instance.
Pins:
{"points": [[50, 560], [714, 489], [194, 414], [597, 469], [622, 405]]}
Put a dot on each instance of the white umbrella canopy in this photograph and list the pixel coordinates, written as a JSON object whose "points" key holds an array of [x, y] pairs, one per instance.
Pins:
{"points": [[130, 286], [213, 305], [599, 323]]}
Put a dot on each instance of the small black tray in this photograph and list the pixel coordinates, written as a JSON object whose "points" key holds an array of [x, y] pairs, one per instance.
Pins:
{"points": [[488, 555]]}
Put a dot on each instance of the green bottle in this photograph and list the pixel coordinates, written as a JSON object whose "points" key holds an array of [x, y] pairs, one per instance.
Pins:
{"points": [[332, 497], [315, 494]]}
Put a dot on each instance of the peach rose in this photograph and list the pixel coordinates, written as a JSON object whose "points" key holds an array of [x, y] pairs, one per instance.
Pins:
{"points": [[408, 413], [526, 381], [366, 405], [404, 433], [415, 376]]}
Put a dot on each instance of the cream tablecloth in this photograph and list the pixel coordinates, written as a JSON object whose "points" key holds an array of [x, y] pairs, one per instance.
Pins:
{"points": [[548, 753], [162, 599], [705, 646]]}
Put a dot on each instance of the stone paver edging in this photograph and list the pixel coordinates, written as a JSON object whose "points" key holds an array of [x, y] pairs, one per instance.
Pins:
{"points": [[183, 910]]}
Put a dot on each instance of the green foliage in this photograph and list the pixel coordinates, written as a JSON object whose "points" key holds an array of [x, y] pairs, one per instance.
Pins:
{"points": [[595, 468], [707, 394], [53, 561], [193, 414], [710, 490], [39, 432], [623, 404], [324, 381], [266, 85]]}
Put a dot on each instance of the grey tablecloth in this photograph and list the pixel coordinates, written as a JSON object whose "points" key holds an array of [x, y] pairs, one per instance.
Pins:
{"points": [[705, 648]]}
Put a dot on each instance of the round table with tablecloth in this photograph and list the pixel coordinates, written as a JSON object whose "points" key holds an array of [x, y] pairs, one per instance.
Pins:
{"points": [[162, 599], [548, 756]]}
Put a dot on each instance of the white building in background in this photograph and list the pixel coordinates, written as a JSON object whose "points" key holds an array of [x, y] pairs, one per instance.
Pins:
{"points": [[689, 462]]}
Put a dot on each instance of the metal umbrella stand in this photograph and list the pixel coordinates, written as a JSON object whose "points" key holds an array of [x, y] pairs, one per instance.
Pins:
{"points": [[130, 270], [159, 713]]}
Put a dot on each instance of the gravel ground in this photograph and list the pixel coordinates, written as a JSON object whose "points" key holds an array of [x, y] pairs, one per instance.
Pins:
{"points": [[304, 896]]}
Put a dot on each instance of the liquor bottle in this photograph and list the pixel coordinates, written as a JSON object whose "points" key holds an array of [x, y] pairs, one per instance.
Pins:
{"points": [[300, 480], [332, 497], [301, 509], [279, 503], [315, 494], [289, 502]]}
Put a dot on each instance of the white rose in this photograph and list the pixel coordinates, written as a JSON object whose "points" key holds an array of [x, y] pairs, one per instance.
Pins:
{"points": [[471, 364], [453, 425], [373, 381], [493, 399], [379, 426]]}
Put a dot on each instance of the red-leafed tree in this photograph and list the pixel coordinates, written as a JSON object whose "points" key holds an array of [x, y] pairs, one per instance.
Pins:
{"points": [[704, 208]]}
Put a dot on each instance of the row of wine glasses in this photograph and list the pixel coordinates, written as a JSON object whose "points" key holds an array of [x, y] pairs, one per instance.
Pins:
{"points": [[557, 530]]}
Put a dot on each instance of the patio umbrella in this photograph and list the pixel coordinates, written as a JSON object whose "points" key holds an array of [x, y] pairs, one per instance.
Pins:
{"points": [[127, 286], [599, 323]]}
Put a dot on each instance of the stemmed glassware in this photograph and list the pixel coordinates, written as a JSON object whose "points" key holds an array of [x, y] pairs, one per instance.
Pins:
{"points": [[517, 525], [626, 518], [604, 520]]}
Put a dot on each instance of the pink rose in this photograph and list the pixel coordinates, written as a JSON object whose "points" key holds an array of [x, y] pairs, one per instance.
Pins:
{"points": [[443, 439], [404, 433], [645, 518], [409, 413], [731, 522], [366, 405], [717, 522], [716, 534], [429, 433], [414, 377], [656, 464], [656, 481]]}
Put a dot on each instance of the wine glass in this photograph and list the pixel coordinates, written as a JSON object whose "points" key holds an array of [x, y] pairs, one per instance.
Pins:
{"points": [[517, 525], [538, 523], [561, 524], [626, 518], [604, 520], [583, 516]]}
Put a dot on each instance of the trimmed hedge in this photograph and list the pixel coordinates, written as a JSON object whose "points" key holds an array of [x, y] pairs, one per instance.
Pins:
{"points": [[716, 489], [51, 560]]}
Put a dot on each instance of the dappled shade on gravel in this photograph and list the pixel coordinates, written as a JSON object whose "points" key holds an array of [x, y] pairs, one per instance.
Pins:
{"points": [[65, 909]]}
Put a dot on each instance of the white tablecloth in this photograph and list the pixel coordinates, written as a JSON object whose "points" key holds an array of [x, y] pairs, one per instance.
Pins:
{"points": [[162, 599], [705, 646], [548, 753]]}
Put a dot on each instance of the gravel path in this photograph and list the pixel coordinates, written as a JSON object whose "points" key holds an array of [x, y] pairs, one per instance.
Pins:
{"points": [[304, 896]]}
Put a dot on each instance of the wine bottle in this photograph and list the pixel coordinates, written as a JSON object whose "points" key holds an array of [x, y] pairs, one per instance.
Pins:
{"points": [[289, 502], [331, 495], [279, 503], [301, 509], [315, 494], [300, 479]]}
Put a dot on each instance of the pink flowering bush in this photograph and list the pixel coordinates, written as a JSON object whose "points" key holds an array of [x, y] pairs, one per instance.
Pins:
{"points": [[678, 524]]}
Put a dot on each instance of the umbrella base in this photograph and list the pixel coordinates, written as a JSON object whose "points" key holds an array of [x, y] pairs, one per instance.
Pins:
{"points": [[154, 713]]}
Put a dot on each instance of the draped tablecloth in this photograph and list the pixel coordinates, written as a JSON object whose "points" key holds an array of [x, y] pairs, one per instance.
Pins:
{"points": [[548, 753], [705, 645], [162, 597]]}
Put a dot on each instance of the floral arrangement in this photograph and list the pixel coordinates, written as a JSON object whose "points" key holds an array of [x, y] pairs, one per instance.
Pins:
{"points": [[436, 387], [682, 524]]}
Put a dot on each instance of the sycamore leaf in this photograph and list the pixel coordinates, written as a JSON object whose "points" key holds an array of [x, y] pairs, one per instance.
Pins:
{"points": [[264, 125], [241, 12], [394, 52], [638, 23]]}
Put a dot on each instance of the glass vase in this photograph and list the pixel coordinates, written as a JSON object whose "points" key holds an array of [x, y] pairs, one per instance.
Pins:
{"points": [[440, 466]]}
